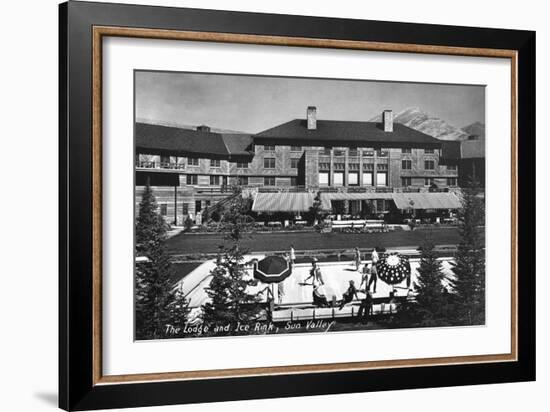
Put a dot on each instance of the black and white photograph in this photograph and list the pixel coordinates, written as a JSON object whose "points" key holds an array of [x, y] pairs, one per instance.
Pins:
{"points": [[278, 205]]}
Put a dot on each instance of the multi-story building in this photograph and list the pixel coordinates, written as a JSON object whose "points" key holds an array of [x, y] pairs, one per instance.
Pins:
{"points": [[468, 156], [356, 164]]}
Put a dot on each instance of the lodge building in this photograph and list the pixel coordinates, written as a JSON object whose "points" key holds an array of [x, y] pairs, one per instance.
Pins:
{"points": [[352, 163]]}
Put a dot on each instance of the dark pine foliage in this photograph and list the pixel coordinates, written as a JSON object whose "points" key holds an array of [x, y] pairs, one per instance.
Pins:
{"points": [[469, 267], [157, 303], [433, 306], [230, 300]]}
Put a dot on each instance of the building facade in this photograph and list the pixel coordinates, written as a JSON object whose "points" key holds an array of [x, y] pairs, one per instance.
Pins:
{"points": [[190, 170]]}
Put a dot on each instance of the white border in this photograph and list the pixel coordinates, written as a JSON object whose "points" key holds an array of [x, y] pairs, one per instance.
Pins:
{"points": [[121, 355]]}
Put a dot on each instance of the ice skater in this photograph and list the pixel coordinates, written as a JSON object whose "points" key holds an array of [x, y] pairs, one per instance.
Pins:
{"points": [[373, 278], [365, 277], [365, 310], [315, 273], [357, 256], [319, 298], [348, 295], [292, 255]]}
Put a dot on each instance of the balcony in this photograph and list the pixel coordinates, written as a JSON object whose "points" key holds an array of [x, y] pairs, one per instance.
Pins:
{"points": [[160, 165]]}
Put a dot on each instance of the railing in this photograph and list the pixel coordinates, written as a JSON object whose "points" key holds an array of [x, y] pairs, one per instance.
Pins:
{"points": [[160, 165], [212, 189]]}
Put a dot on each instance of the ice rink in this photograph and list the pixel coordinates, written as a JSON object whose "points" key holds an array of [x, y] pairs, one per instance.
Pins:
{"points": [[336, 276]]}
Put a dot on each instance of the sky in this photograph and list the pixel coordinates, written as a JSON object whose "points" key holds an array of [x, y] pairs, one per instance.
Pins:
{"points": [[252, 104]]}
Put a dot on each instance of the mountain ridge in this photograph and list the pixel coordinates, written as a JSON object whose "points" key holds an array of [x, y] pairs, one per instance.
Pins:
{"points": [[416, 118]]}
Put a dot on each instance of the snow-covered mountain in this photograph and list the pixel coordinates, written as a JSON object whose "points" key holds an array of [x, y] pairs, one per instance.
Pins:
{"points": [[417, 119]]}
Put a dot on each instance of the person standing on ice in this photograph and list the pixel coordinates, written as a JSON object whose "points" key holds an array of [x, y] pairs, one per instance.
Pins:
{"points": [[315, 273], [292, 255], [374, 256], [357, 256]]}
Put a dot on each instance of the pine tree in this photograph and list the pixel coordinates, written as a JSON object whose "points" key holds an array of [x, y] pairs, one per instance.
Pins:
{"points": [[469, 266], [230, 300], [316, 212], [157, 303], [432, 300]]}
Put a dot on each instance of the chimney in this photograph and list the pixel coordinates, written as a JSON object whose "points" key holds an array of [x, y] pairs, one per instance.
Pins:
{"points": [[311, 118], [203, 128], [387, 119]]}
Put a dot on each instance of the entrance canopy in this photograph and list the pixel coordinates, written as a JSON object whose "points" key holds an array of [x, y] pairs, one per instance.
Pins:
{"points": [[283, 202], [327, 198], [302, 201], [426, 200]]}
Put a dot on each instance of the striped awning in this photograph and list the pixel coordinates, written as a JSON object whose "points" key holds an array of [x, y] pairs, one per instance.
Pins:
{"points": [[283, 202], [426, 201], [327, 198]]}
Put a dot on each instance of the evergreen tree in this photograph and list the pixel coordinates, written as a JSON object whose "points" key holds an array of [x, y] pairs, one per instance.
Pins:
{"points": [[432, 299], [469, 266], [157, 303], [230, 300], [316, 212]]}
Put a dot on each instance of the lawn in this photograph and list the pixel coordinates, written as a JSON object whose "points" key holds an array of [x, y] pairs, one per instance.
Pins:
{"points": [[208, 243]]}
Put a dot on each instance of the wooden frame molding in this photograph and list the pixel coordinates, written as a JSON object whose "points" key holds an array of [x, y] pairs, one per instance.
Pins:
{"points": [[99, 32]]}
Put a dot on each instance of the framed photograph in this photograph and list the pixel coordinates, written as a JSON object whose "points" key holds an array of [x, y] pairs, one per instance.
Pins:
{"points": [[257, 205]]}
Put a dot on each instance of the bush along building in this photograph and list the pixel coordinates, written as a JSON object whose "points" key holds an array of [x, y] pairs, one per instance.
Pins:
{"points": [[360, 168]]}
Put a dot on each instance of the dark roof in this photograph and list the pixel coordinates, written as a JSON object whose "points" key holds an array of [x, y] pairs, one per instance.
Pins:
{"points": [[347, 131], [237, 144], [178, 140]]}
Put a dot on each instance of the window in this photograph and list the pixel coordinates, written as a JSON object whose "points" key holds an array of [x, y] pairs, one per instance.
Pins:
{"points": [[353, 179], [214, 180], [368, 166], [353, 166], [294, 163], [269, 147], [163, 209], [339, 166], [381, 153], [215, 163], [242, 165], [406, 150], [382, 167], [429, 151], [323, 179], [192, 179], [368, 152], [451, 167], [324, 166], [193, 161], [165, 162], [269, 181], [406, 181], [429, 165], [339, 153], [295, 148], [353, 152], [406, 164], [269, 163], [367, 179], [428, 181], [338, 179], [381, 179], [293, 181], [451, 181], [242, 180]]}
